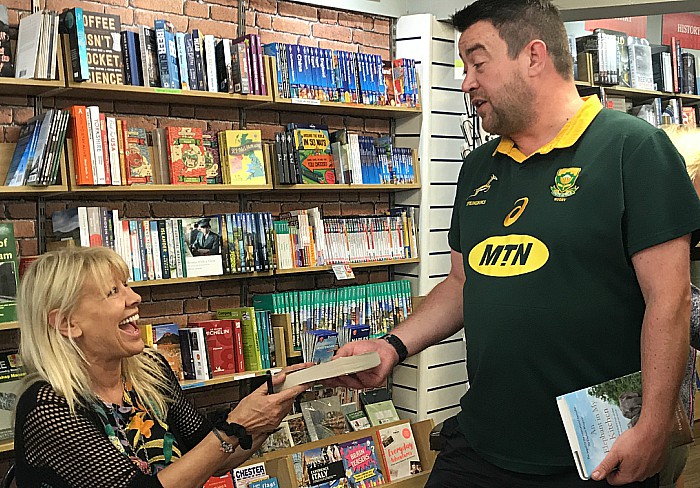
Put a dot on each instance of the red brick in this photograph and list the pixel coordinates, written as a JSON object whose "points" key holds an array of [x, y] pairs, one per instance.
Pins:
{"points": [[262, 285], [381, 26], [250, 22], [294, 26], [272, 207], [308, 41], [218, 29], [137, 210], [370, 39], [173, 122], [325, 281], [180, 320], [357, 209], [368, 197], [267, 131], [5, 115], [265, 6], [224, 14], [175, 291], [196, 305], [220, 288], [333, 122], [267, 36], [118, 3], [182, 111], [218, 303], [59, 5], [301, 282], [327, 16], [126, 14], [361, 277], [229, 3], [263, 116], [20, 210], [354, 124], [28, 247], [199, 317], [215, 208], [332, 32], [384, 53], [13, 17], [152, 109], [355, 21], [20, 115], [298, 11], [11, 134], [148, 17], [52, 207], [24, 228], [160, 6], [177, 209], [147, 123], [299, 117], [331, 209], [196, 9], [263, 21], [216, 113], [18, 100], [337, 46], [156, 309], [381, 208], [215, 125], [377, 125]]}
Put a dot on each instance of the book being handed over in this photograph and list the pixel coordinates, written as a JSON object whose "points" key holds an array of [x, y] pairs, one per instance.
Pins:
{"points": [[331, 369], [596, 416]]}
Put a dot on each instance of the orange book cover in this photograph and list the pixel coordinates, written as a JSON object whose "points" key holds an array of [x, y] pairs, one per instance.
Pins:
{"points": [[81, 146]]}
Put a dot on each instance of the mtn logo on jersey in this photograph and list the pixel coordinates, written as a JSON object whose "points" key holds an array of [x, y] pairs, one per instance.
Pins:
{"points": [[511, 255], [564, 183]]}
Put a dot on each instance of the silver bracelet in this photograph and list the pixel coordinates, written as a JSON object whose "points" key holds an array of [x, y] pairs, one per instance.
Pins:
{"points": [[225, 446]]}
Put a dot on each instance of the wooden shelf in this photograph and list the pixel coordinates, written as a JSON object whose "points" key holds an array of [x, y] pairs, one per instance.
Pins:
{"points": [[6, 152], [7, 446], [367, 264], [347, 187], [29, 87], [337, 108], [197, 279], [582, 84], [227, 378], [690, 99], [9, 325], [168, 189]]}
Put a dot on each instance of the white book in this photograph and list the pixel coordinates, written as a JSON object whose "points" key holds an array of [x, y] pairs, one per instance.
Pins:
{"points": [[95, 136], [171, 248], [28, 45], [400, 451], [150, 268], [113, 147], [210, 62], [84, 228], [40, 68], [55, 39], [330, 369], [157, 254], [356, 170], [198, 341]]}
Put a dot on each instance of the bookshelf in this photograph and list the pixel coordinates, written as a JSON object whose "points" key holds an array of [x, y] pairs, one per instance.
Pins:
{"points": [[9, 325], [6, 151], [7, 446], [227, 378], [36, 87], [366, 264]]}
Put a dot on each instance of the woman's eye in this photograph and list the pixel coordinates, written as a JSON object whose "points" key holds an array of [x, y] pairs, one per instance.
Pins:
{"points": [[113, 291]]}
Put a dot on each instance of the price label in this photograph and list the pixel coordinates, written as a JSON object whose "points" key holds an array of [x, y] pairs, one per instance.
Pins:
{"points": [[306, 101], [343, 272]]}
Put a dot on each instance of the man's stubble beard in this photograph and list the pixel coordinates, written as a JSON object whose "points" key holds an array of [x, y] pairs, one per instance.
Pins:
{"points": [[513, 112]]}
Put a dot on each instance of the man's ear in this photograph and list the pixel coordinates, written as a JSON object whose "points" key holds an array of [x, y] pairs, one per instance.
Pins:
{"points": [[536, 52], [64, 327]]}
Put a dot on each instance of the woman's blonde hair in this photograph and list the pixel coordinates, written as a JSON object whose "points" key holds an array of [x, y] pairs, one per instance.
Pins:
{"points": [[687, 141], [55, 282]]}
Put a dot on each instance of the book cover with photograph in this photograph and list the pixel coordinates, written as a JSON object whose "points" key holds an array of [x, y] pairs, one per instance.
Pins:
{"points": [[297, 428], [166, 340], [324, 418], [400, 452], [321, 467], [278, 439], [596, 416], [202, 242], [361, 461], [11, 374], [8, 273]]}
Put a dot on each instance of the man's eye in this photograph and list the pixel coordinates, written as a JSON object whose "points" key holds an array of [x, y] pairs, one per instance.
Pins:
{"points": [[478, 65]]}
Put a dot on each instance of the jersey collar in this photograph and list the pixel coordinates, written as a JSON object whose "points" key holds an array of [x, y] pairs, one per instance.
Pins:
{"points": [[568, 135]]}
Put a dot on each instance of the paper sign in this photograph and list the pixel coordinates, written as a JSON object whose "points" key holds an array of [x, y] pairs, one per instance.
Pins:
{"points": [[343, 272]]}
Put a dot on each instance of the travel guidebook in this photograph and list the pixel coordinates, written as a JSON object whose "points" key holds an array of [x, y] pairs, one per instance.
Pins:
{"points": [[596, 416]]}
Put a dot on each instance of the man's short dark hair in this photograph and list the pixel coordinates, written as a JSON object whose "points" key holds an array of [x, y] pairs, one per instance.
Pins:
{"points": [[519, 22]]}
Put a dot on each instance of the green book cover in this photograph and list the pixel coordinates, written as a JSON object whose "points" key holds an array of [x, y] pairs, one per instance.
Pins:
{"points": [[249, 330], [9, 281]]}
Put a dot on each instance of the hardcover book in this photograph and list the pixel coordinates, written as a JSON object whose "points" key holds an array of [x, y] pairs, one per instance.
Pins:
{"points": [[11, 374], [219, 345], [596, 416], [186, 154], [8, 273], [400, 453], [137, 157], [362, 464], [242, 157], [324, 418], [210, 143]]}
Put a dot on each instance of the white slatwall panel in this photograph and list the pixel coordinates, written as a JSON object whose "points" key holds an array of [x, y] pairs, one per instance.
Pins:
{"points": [[430, 384]]}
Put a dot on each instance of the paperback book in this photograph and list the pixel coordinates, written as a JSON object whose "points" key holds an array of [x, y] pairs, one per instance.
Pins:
{"points": [[596, 416], [331, 369], [8, 273], [400, 452], [11, 374], [243, 476], [321, 467], [324, 418], [362, 464]]}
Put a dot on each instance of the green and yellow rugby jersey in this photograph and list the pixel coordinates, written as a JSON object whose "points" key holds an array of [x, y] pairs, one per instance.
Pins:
{"points": [[551, 301]]}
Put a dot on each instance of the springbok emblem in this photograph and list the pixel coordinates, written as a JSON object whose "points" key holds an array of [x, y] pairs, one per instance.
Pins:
{"points": [[485, 187]]}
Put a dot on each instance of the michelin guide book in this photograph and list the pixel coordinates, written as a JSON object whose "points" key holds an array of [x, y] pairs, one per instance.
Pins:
{"points": [[596, 416]]}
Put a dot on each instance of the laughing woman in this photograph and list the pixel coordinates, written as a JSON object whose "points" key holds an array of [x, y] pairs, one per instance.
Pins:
{"points": [[99, 410]]}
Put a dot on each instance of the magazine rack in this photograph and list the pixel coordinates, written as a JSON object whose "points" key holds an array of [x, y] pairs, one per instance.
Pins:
{"points": [[279, 463]]}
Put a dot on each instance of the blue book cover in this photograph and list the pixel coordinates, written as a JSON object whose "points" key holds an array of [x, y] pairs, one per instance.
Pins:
{"points": [[167, 54], [268, 483], [596, 416], [361, 463], [132, 58], [181, 51], [26, 144]]}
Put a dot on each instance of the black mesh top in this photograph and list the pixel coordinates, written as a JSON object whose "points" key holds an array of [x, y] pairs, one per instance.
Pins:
{"points": [[54, 449]]}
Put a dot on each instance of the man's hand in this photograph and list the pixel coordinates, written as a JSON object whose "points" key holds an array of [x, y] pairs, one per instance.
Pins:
{"points": [[635, 456], [371, 378]]}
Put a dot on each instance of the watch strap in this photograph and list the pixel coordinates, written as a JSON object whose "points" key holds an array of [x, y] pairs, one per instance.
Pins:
{"points": [[398, 345]]}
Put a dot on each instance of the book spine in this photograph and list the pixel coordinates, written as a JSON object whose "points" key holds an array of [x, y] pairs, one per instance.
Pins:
{"points": [[95, 136], [210, 63], [78, 43], [190, 60], [181, 52], [113, 145], [105, 149], [197, 45], [161, 42]]}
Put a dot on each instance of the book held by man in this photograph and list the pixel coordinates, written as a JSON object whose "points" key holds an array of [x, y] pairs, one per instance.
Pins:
{"points": [[596, 416], [330, 369]]}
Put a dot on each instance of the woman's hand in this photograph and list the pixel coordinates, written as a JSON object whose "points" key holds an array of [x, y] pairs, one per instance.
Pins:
{"points": [[262, 413]]}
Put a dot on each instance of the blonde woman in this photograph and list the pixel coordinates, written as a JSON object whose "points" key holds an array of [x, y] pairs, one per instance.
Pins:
{"points": [[98, 409]]}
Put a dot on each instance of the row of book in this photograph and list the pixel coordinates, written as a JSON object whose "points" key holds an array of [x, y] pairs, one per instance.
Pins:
{"points": [[618, 59], [313, 73], [37, 156], [37, 44], [305, 238], [239, 340], [174, 248], [656, 111], [307, 153], [380, 306]]}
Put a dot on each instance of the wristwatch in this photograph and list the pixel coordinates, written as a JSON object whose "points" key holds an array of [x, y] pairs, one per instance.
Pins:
{"points": [[245, 440], [397, 344]]}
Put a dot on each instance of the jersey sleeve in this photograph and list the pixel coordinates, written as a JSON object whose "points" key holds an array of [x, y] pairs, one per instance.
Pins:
{"points": [[72, 447], [187, 424], [660, 201]]}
